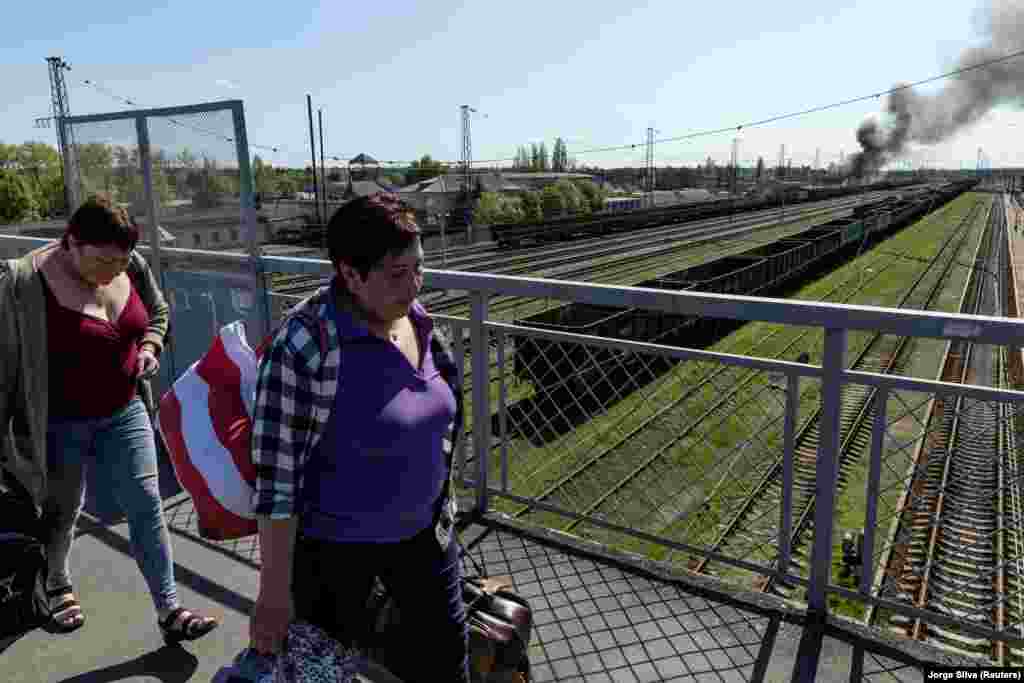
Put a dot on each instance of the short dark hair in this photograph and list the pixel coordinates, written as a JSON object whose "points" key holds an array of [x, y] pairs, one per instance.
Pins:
{"points": [[365, 230], [99, 222]]}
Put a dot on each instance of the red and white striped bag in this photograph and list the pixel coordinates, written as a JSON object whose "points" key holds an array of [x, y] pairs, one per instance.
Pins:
{"points": [[205, 421]]}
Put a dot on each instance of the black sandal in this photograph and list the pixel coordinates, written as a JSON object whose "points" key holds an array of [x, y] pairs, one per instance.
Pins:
{"points": [[67, 616], [183, 624]]}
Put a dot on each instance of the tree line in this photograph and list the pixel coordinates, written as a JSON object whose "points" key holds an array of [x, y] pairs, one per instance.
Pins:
{"points": [[32, 182], [529, 206]]}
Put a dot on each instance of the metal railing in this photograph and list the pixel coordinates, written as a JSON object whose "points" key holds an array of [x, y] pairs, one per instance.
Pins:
{"points": [[653, 449]]}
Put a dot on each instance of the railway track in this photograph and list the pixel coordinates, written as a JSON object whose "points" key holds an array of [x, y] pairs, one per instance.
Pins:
{"points": [[640, 261], [551, 262], [649, 437], [755, 522], [958, 549]]}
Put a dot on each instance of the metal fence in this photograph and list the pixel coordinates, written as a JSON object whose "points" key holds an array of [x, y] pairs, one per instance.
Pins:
{"points": [[750, 466]]}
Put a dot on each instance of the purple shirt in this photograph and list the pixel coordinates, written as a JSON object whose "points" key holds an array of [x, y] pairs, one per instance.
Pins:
{"points": [[380, 467]]}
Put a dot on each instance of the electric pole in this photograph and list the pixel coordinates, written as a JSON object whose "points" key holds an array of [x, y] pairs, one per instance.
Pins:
{"points": [[467, 149], [782, 161], [312, 147], [323, 167], [649, 162], [735, 164], [65, 134]]}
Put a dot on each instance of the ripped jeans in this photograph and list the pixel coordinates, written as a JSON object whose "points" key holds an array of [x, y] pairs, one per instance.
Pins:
{"points": [[122, 448]]}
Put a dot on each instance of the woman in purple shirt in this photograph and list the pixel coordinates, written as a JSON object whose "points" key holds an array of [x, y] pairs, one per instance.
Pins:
{"points": [[357, 408]]}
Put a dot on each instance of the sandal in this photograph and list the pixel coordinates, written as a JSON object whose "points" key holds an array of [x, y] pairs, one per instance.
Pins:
{"points": [[183, 624], [66, 616]]}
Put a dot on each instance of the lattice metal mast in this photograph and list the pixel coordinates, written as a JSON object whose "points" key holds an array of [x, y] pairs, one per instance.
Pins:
{"points": [[65, 135], [733, 185], [467, 148], [649, 163]]}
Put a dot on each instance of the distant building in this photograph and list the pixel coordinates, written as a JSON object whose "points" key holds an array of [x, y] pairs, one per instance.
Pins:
{"points": [[441, 194]]}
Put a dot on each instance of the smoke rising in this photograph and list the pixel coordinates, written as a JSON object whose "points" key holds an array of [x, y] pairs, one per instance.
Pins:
{"points": [[965, 98]]}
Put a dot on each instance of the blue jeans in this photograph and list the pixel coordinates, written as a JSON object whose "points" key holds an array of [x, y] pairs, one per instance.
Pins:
{"points": [[123, 451]]}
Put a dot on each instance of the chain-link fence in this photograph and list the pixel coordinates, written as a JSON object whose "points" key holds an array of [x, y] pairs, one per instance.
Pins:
{"points": [[727, 464]]}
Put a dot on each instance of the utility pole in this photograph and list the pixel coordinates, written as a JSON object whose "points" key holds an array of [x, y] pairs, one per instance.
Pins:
{"points": [[65, 134], [467, 148], [312, 147], [323, 166], [735, 165], [782, 161], [649, 163]]}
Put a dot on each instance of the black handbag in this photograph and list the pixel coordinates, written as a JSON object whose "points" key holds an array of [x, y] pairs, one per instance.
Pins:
{"points": [[500, 625], [23, 604]]}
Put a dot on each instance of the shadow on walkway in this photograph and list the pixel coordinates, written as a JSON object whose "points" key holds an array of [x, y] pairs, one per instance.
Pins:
{"points": [[167, 665]]}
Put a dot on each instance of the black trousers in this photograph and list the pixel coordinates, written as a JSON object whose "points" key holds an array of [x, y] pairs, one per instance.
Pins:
{"points": [[332, 581]]}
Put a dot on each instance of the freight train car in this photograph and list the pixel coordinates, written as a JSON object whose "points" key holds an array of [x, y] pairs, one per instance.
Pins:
{"points": [[565, 366], [569, 228]]}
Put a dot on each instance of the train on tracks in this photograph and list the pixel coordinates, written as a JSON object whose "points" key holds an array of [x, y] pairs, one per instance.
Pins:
{"points": [[512, 235], [557, 367]]}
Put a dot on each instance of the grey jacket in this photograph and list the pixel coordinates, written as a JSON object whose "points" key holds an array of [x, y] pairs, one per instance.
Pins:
{"points": [[24, 379]]}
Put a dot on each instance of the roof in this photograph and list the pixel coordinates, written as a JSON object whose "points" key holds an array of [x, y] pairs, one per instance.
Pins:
{"points": [[359, 188], [362, 158], [489, 181], [545, 175]]}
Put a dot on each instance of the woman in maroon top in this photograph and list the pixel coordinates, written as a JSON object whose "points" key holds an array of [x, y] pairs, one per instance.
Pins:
{"points": [[103, 324]]}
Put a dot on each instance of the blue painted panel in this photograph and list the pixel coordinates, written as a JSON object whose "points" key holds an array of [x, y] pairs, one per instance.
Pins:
{"points": [[201, 303]]}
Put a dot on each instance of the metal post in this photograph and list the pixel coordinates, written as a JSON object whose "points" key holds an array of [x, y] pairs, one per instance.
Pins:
{"points": [[502, 410], [874, 483], [805, 667], [312, 147], [788, 445], [827, 468], [459, 350], [481, 395], [146, 162], [444, 242], [260, 318], [323, 165]]}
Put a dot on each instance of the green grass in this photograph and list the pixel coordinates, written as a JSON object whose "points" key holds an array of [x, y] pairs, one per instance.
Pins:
{"points": [[613, 272], [512, 308]]}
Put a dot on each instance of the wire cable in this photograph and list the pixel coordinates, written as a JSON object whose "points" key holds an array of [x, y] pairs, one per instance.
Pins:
{"points": [[804, 112], [677, 138], [132, 103]]}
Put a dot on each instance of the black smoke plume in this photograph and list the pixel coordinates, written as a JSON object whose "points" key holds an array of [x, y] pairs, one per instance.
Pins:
{"points": [[966, 97]]}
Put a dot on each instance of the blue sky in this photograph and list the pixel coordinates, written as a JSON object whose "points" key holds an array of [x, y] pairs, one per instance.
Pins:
{"points": [[390, 76]]}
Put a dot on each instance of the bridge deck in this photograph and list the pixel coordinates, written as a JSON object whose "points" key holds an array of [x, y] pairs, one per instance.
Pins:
{"points": [[600, 616]]}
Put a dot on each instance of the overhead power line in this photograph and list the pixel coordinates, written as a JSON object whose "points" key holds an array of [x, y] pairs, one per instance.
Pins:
{"points": [[791, 115], [197, 129], [641, 145]]}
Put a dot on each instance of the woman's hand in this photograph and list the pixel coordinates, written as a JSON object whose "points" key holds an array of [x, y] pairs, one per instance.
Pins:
{"points": [[146, 365], [269, 622]]}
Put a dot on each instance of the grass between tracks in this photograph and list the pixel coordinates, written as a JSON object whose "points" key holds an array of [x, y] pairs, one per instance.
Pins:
{"points": [[672, 498], [509, 309]]}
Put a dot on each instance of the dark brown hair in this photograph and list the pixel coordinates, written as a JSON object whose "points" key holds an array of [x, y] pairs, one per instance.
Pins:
{"points": [[365, 230], [99, 222]]}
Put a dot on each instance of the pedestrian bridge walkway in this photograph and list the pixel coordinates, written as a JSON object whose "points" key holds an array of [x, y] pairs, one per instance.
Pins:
{"points": [[612, 586]]}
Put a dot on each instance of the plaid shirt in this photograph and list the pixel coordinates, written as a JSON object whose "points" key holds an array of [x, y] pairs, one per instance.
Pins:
{"points": [[299, 375]]}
